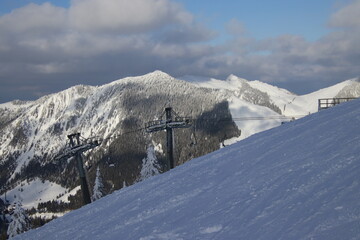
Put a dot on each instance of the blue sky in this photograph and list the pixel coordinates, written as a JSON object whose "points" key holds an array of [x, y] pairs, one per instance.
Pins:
{"points": [[302, 45], [267, 18]]}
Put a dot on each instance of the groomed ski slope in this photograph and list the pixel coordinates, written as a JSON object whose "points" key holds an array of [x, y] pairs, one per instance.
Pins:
{"points": [[298, 181]]}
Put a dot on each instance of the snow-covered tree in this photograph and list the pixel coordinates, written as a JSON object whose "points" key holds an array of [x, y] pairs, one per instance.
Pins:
{"points": [[150, 165], [98, 190], [19, 221]]}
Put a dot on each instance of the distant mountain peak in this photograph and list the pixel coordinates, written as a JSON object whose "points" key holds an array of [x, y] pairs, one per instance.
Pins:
{"points": [[233, 77], [146, 78], [156, 74], [159, 73]]}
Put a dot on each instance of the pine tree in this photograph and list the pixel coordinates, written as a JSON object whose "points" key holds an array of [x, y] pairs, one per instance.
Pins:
{"points": [[19, 221], [98, 190], [150, 165]]}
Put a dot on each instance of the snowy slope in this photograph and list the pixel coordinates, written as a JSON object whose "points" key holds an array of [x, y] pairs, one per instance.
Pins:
{"points": [[32, 192], [259, 99], [297, 181], [289, 103], [242, 111], [246, 101], [308, 103]]}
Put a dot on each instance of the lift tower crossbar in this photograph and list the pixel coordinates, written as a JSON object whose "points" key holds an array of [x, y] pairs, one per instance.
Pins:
{"points": [[168, 125], [75, 150]]}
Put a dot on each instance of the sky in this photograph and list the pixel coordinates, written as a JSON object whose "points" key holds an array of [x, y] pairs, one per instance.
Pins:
{"points": [[301, 45]]}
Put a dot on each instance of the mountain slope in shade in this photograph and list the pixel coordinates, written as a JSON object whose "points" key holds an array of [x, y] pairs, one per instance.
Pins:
{"points": [[297, 181], [33, 133], [32, 129]]}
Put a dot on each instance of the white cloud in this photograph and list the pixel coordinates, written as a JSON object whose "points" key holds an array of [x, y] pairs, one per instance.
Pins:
{"points": [[33, 18], [92, 27], [124, 16]]}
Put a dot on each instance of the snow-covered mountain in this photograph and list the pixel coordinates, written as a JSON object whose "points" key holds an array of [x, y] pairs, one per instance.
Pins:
{"points": [[281, 100], [32, 133], [240, 92], [297, 181]]}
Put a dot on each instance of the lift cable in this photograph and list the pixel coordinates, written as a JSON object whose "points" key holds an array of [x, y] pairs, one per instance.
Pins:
{"points": [[90, 142], [197, 120]]}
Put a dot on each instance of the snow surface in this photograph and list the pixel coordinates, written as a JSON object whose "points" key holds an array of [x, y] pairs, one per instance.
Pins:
{"points": [[297, 181], [19, 223], [290, 104], [240, 108], [33, 192], [243, 109], [308, 103]]}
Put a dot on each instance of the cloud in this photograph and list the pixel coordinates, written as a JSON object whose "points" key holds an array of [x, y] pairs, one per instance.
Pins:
{"points": [[291, 58], [236, 28], [347, 17], [34, 19], [49, 48], [123, 16], [185, 34]]}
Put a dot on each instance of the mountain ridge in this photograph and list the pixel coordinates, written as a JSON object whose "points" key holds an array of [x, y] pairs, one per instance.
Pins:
{"points": [[297, 181], [33, 132], [85, 93], [38, 128]]}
